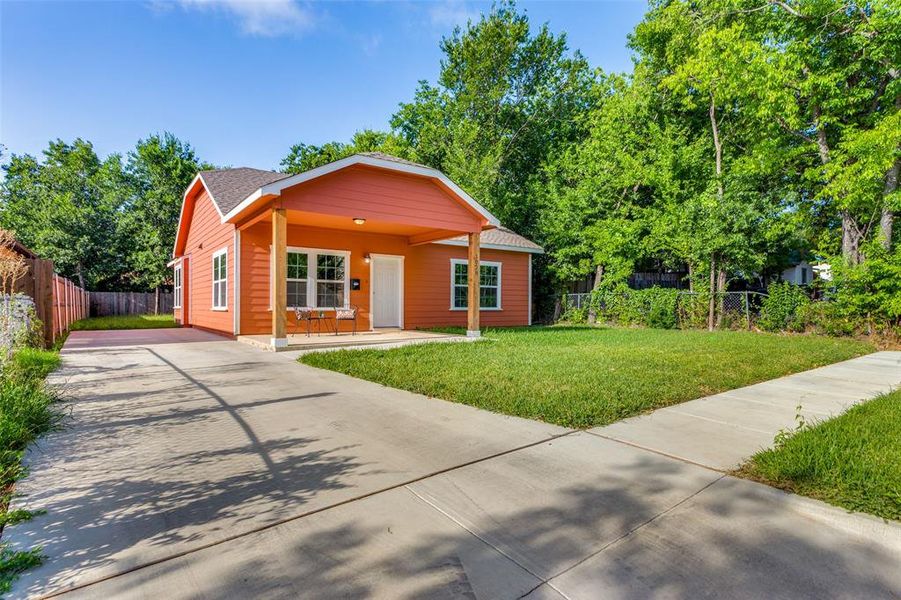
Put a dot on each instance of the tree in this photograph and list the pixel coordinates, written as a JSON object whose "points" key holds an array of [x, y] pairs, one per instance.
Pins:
{"points": [[505, 102], [840, 60], [302, 157], [159, 170], [66, 208]]}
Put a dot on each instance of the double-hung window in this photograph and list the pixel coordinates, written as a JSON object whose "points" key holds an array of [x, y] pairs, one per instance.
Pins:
{"points": [[220, 279], [177, 287], [297, 279], [489, 285], [317, 278], [330, 275]]}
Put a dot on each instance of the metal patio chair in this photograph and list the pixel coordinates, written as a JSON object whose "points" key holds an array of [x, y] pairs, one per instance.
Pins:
{"points": [[346, 314], [301, 315]]}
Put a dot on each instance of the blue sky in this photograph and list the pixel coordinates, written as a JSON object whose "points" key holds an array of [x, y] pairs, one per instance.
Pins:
{"points": [[242, 81]]}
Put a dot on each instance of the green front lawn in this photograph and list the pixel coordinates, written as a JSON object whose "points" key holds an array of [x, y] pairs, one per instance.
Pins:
{"points": [[852, 461], [583, 377], [125, 322]]}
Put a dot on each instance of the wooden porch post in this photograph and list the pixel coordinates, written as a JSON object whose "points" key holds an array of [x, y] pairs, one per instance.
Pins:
{"points": [[280, 277], [472, 323]]}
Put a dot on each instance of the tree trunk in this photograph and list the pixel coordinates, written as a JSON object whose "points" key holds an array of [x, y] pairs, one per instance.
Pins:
{"points": [[691, 278], [887, 222], [80, 276], [711, 307], [850, 239], [720, 288], [592, 307], [156, 301], [718, 155], [718, 149]]}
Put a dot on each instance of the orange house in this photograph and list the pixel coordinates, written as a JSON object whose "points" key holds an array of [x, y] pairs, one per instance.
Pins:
{"points": [[394, 239]]}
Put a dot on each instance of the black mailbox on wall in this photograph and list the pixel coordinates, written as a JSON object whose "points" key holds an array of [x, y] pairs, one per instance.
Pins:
{"points": [[354, 284]]}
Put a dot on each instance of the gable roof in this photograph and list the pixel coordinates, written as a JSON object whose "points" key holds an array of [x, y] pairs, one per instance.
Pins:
{"points": [[499, 238], [232, 190], [228, 187], [372, 159]]}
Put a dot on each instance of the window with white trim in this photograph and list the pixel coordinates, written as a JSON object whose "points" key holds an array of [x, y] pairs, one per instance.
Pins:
{"points": [[177, 287], [297, 279], [220, 279], [489, 285], [330, 270], [317, 278]]}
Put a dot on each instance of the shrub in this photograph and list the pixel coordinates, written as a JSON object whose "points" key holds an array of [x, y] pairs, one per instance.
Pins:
{"points": [[828, 318], [779, 309], [872, 289], [653, 307]]}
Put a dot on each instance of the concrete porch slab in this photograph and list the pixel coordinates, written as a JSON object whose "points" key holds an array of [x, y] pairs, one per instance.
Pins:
{"points": [[329, 341]]}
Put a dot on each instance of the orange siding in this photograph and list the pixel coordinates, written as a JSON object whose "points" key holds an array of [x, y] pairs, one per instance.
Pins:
{"points": [[426, 278], [255, 243], [383, 196], [427, 293], [180, 314], [206, 235]]}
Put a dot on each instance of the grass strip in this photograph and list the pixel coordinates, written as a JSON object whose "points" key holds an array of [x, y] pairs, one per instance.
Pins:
{"points": [[125, 322], [28, 409], [852, 461]]}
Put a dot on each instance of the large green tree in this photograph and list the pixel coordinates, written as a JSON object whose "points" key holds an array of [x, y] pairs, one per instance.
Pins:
{"points": [[158, 170], [507, 99], [66, 208]]}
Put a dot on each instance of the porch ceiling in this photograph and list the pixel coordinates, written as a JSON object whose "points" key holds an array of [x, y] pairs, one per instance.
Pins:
{"points": [[414, 233]]}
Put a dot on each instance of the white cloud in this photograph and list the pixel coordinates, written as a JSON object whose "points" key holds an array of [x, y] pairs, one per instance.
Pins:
{"points": [[268, 18], [371, 43], [450, 13]]}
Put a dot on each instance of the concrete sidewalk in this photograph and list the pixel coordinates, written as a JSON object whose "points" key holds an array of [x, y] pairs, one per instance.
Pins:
{"points": [[722, 431], [210, 470]]}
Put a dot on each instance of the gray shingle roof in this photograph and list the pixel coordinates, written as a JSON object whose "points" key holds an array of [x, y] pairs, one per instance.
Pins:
{"points": [[501, 236], [229, 187], [389, 157]]}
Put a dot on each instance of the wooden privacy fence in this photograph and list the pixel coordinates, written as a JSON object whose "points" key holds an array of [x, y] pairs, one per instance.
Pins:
{"points": [[107, 304], [58, 302]]}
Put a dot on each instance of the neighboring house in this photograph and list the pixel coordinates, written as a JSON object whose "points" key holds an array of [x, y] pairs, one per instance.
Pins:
{"points": [[800, 273], [391, 237]]}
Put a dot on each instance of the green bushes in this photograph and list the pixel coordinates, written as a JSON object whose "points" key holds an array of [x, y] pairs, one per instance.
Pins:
{"points": [[780, 308], [653, 307], [862, 299], [27, 410]]}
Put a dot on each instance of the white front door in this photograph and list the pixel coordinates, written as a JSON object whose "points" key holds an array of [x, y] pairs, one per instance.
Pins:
{"points": [[387, 284]]}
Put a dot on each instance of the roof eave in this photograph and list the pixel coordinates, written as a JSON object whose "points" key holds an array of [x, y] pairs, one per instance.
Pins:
{"points": [[184, 200], [505, 247]]}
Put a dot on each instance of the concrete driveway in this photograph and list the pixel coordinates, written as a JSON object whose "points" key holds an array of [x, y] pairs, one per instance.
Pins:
{"points": [[198, 468]]}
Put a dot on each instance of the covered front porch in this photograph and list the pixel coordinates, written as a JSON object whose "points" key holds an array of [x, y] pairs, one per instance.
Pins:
{"points": [[341, 241], [387, 337]]}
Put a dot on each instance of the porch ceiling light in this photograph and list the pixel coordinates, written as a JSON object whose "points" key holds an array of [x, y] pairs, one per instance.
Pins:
{"points": [[366, 259], [359, 220]]}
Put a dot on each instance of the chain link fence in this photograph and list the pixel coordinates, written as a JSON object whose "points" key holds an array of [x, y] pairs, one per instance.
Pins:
{"points": [[732, 310]]}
